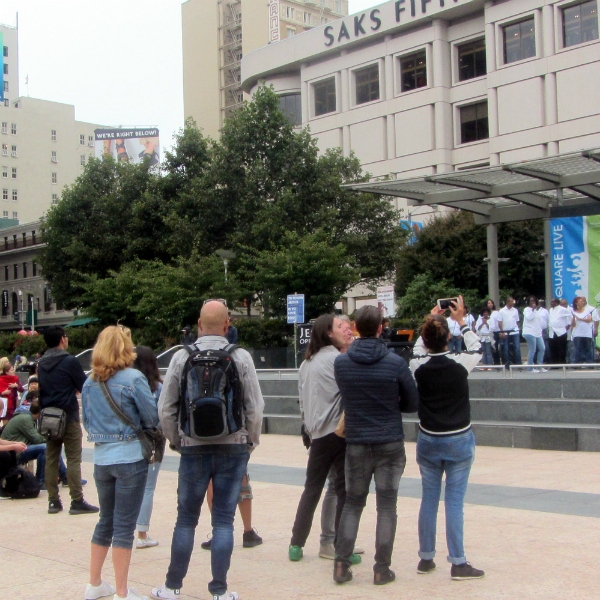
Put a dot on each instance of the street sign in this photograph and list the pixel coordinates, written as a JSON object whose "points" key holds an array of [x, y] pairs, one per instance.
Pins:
{"points": [[295, 308]]}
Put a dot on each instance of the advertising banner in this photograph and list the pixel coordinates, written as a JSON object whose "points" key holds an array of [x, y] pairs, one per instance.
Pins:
{"points": [[128, 145], [576, 258], [1, 67], [295, 308], [386, 300]]}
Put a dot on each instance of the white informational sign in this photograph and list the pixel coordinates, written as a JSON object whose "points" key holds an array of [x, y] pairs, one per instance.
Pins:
{"points": [[386, 300], [295, 308]]}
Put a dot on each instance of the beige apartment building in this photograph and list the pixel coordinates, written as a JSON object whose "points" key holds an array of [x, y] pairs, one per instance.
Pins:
{"points": [[42, 146], [217, 33]]}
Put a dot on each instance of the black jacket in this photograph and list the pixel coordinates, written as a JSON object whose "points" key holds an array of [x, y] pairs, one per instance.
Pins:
{"points": [[376, 386], [60, 376]]}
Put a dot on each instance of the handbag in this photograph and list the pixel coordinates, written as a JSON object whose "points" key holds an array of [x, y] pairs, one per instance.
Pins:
{"points": [[53, 422], [152, 440]]}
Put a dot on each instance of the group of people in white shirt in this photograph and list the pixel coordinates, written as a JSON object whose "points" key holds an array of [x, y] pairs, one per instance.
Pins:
{"points": [[547, 332]]}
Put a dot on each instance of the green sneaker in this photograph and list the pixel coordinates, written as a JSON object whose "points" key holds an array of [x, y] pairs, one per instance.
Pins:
{"points": [[295, 553], [355, 559]]}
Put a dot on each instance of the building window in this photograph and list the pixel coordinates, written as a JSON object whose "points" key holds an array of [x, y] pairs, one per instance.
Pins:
{"points": [[54, 178], [54, 199], [306, 18], [6, 86], [91, 140], [325, 100], [338, 7], [13, 129], [291, 107], [82, 140], [471, 60], [519, 41], [15, 195], [14, 152], [367, 84], [6, 102], [5, 69], [4, 149], [474, 122], [6, 270], [580, 23], [289, 12], [14, 172], [33, 242], [53, 157], [5, 50], [414, 71], [34, 269], [5, 172], [24, 235], [5, 216], [290, 32], [15, 214], [82, 160], [5, 194], [4, 127], [24, 270], [53, 135], [16, 271]]}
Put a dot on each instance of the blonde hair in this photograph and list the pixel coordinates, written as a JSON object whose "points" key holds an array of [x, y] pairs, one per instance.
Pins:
{"points": [[113, 352], [3, 361]]}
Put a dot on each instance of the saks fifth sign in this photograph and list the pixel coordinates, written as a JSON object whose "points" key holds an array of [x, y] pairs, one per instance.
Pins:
{"points": [[404, 11]]}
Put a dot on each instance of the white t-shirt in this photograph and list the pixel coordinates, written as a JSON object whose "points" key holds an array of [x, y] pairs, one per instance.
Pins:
{"points": [[469, 320], [544, 317], [532, 322], [559, 319], [581, 328], [485, 332], [509, 317], [453, 326], [494, 321]]}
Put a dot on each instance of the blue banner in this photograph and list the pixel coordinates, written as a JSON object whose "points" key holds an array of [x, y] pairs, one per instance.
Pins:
{"points": [[570, 270]]}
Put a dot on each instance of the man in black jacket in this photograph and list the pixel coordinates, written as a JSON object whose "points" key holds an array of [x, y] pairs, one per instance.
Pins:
{"points": [[376, 387], [61, 377]]}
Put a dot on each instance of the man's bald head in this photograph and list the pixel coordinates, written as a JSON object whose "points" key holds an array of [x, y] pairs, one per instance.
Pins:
{"points": [[213, 319]]}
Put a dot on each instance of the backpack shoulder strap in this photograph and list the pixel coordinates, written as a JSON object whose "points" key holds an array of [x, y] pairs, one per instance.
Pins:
{"points": [[120, 414], [230, 348]]}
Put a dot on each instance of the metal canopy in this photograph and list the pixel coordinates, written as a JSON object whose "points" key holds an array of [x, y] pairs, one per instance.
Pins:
{"points": [[565, 185]]}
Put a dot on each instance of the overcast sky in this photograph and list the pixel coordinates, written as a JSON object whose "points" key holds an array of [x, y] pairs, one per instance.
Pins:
{"points": [[117, 61]]}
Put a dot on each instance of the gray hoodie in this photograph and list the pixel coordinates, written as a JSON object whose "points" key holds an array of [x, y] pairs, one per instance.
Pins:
{"points": [[320, 399]]}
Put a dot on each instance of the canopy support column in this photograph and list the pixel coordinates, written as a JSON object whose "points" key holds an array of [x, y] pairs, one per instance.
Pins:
{"points": [[492, 263]]}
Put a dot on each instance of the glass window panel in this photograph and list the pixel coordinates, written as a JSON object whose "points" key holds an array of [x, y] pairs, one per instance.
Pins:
{"points": [[414, 71], [471, 60], [519, 41], [474, 123], [325, 100], [367, 84]]}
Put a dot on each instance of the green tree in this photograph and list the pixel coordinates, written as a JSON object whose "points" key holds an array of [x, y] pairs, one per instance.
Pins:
{"points": [[453, 247]]}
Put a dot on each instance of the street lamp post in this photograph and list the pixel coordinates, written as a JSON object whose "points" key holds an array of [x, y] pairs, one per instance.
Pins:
{"points": [[226, 256]]}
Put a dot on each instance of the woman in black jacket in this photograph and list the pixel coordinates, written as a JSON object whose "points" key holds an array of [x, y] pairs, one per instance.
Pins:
{"points": [[446, 443]]}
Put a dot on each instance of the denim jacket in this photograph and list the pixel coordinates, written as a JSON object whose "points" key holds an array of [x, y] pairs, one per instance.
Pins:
{"points": [[131, 393]]}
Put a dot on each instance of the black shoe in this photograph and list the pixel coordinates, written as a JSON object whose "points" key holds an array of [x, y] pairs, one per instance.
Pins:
{"points": [[383, 577], [54, 506], [425, 566], [82, 507], [341, 571], [465, 571], [251, 539], [206, 545]]}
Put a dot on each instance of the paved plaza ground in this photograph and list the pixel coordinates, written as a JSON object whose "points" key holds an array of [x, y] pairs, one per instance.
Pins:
{"points": [[531, 522]]}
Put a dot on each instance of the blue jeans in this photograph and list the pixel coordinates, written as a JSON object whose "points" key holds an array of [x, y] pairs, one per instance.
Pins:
{"points": [[37, 452], [453, 455], [511, 342], [384, 462], [225, 464], [120, 492], [455, 344], [535, 349], [487, 358], [583, 348], [143, 520]]}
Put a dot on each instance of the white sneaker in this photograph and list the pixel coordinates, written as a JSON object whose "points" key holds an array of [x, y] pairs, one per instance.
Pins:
{"points": [[165, 592], [93, 592], [131, 595], [226, 596], [146, 542]]}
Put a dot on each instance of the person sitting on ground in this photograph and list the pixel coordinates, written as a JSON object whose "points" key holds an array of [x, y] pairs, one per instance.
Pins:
{"points": [[10, 386], [445, 442], [22, 428]]}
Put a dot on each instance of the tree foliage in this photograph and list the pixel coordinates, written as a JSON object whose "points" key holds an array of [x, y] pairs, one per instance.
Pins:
{"points": [[453, 248], [131, 243]]}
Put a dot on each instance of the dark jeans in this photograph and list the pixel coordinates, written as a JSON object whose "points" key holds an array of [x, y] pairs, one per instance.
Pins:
{"points": [[558, 349], [120, 494], [72, 444], [225, 464], [37, 452], [324, 452], [384, 462], [455, 344], [584, 350], [511, 348]]}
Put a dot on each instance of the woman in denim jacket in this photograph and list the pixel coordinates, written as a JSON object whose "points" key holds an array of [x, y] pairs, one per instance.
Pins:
{"points": [[120, 470]]}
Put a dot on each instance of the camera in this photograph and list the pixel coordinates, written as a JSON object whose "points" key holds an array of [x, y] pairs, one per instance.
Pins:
{"points": [[445, 303]]}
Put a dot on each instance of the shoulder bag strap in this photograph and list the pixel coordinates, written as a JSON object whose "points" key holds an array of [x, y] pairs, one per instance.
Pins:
{"points": [[120, 414]]}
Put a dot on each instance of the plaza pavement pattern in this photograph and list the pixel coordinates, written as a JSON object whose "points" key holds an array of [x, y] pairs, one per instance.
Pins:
{"points": [[532, 522]]}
